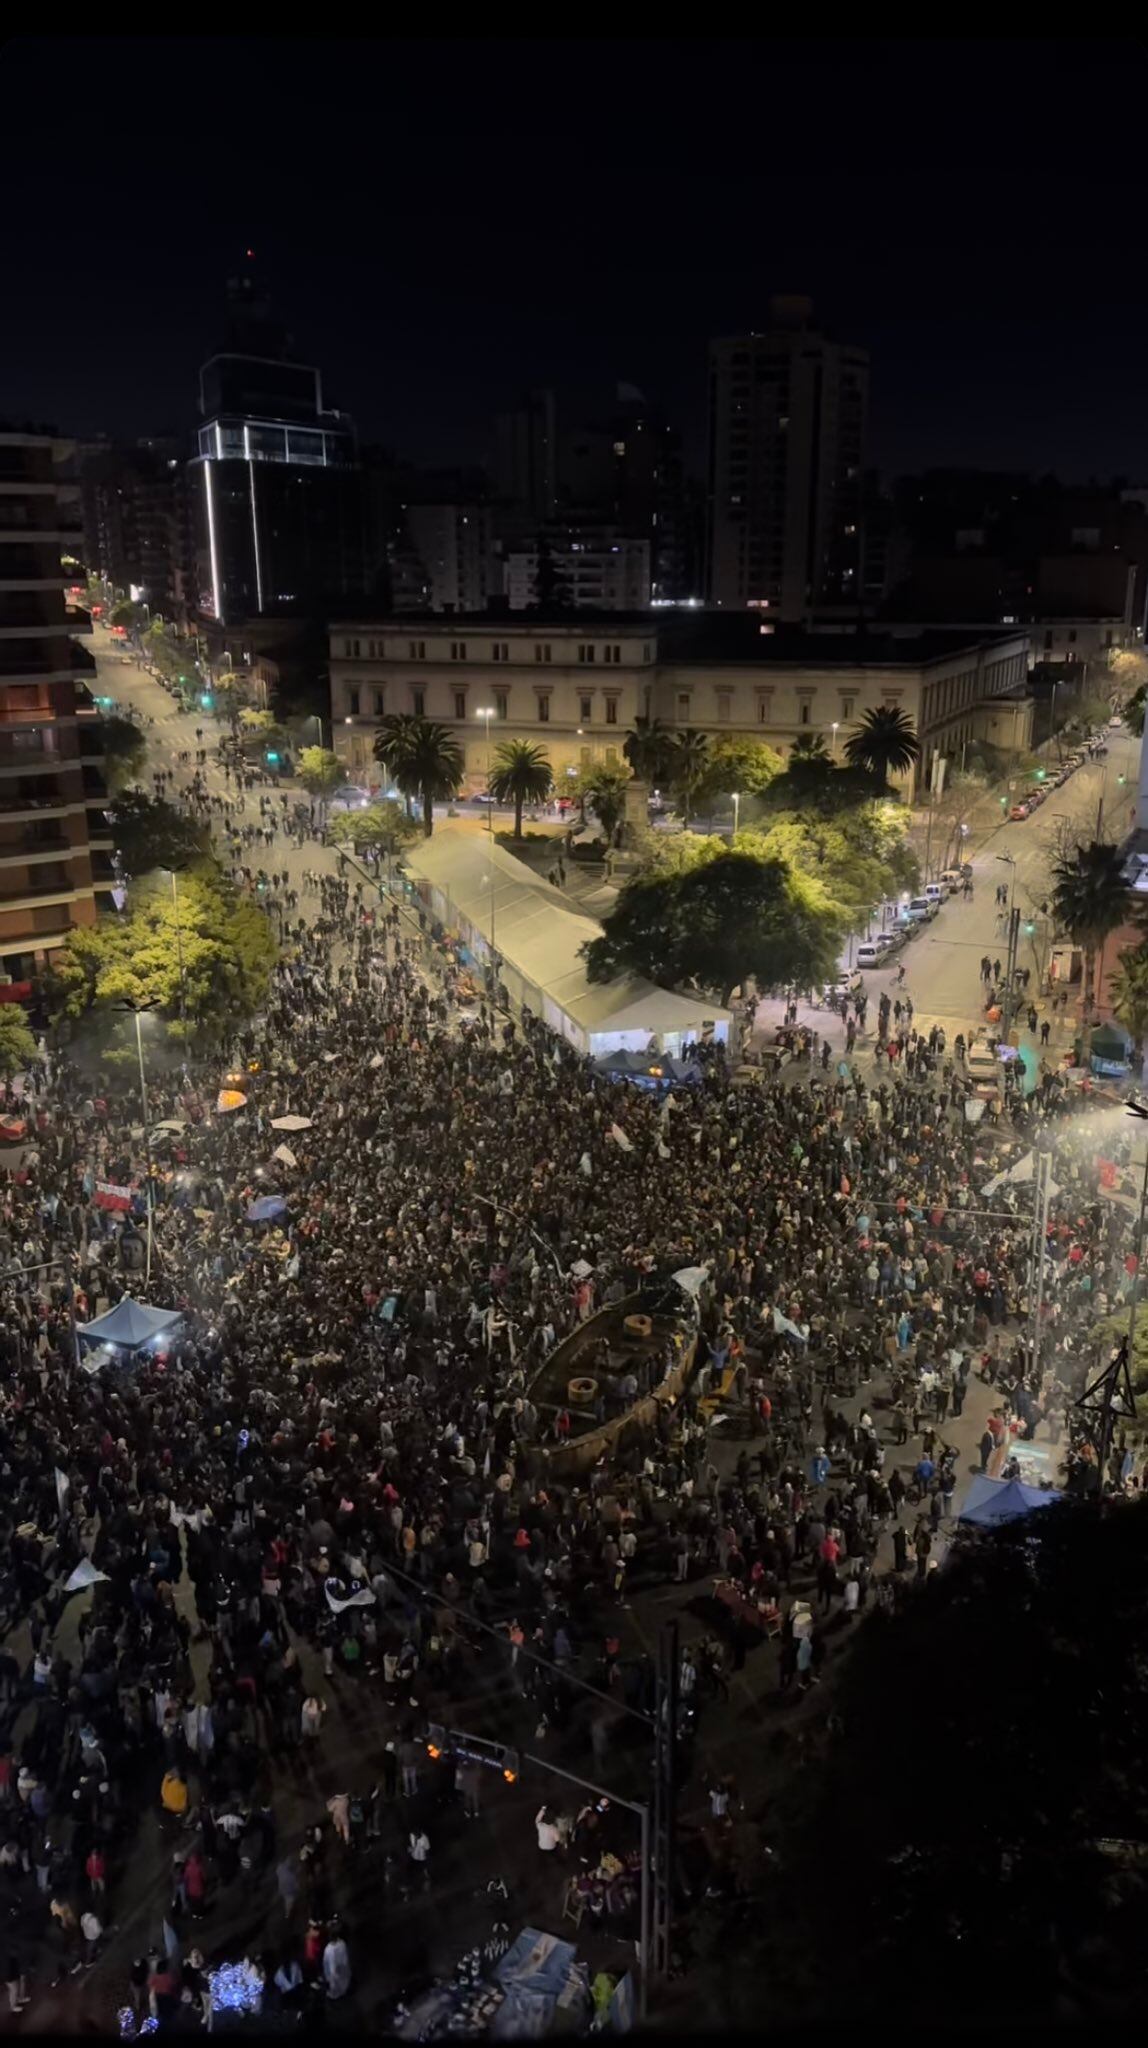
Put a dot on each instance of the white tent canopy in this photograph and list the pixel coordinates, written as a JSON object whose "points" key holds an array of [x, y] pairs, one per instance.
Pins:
{"points": [[537, 937]]}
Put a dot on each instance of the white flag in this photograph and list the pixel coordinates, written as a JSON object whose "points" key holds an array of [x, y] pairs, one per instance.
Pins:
{"points": [[620, 1139]]}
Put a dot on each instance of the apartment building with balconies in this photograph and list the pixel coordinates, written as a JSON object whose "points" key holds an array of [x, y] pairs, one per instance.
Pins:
{"points": [[55, 842]]}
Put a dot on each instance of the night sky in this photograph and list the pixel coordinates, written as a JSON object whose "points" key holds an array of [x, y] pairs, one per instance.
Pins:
{"points": [[442, 223]]}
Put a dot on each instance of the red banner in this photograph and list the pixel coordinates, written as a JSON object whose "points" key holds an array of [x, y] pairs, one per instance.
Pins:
{"points": [[109, 1196]]}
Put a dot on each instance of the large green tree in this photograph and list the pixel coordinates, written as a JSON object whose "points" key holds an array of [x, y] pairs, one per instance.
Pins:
{"points": [[17, 1044], [380, 828], [124, 750], [220, 941], [1090, 902], [884, 743], [150, 833], [718, 922], [522, 775], [320, 771], [739, 764]]}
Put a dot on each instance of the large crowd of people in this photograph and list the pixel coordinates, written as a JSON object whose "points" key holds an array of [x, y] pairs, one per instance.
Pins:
{"points": [[338, 1467]]}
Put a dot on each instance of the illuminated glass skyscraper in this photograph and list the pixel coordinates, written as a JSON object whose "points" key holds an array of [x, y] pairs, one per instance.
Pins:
{"points": [[279, 523]]}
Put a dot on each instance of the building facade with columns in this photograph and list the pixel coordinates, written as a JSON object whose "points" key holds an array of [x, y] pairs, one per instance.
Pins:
{"points": [[576, 685]]}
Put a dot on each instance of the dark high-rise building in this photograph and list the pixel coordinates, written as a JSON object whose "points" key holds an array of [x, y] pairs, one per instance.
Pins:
{"points": [[136, 530], [786, 444], [526, 458], [279, 516], [628, 470]]}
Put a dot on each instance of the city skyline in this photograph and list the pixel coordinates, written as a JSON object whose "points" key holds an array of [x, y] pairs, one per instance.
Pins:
{"points": [[429, 239]]}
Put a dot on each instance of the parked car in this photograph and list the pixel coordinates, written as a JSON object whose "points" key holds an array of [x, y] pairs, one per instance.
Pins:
{"points": [[870, 954], [936, 893], [953, 880], [920, 910], [887, 942], [1018, 814]]}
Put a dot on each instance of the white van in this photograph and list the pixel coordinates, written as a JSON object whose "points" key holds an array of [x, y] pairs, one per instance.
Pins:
{"points": [[869, 955], [953, 880], [936, 892], [984, 1068]]}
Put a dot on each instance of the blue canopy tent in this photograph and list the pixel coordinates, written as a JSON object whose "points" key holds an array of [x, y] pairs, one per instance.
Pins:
{"points": [[266, 1209], [129, 1325], [993, 1501]]}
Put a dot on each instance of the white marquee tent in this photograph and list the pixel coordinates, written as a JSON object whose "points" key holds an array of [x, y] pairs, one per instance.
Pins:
{"points": [[465, 882]]}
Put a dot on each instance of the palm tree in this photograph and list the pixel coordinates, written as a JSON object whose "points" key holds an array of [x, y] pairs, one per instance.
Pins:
{"points": [[522, 775], [427, 762], [884, 740], [1129, 993], [807, 748], [689, 764], [1090, 902], [650, 750], [392, 743], [604, 785]]}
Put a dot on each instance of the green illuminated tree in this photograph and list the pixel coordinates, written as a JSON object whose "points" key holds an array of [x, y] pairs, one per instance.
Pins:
{"points": [[17, 1044], [745, 765], [320, 771], [718, 922], [381, 828], [222, 940]]}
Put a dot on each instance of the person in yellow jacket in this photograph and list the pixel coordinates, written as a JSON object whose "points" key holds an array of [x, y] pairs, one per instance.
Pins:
{"points": [[173, 1793]]}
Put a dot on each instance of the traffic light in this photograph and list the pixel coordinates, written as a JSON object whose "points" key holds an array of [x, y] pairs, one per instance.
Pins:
{"points": [[272, 756], [1040, 773], [510, 1765], [1030, 928], [205, 700]]}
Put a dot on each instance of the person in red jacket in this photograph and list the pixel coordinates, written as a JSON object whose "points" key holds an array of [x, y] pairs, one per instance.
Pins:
{"points": [[96, 1872]]}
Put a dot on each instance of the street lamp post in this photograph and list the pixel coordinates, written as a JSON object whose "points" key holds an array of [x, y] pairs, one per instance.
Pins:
{"points": [[486, 712], [137, 1010], [319, 725], [736, 809], [179, 955], [833, 744]]}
